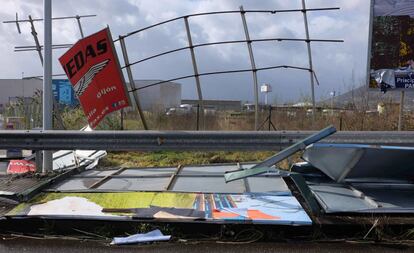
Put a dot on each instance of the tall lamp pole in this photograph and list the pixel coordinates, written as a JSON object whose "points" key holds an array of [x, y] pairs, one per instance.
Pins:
{"points": [[47, 81]]}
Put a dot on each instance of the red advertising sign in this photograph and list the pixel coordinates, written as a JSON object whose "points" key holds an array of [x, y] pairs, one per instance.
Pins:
{"points": [[93, 69], [20, 167]]}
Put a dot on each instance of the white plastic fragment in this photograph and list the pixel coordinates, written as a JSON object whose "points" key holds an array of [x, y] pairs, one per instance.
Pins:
{"points": [[152, 236], [69, 159]]}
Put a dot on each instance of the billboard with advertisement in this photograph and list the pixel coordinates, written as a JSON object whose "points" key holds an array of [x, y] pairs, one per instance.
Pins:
{"points": [[93, 69], [392, 45], [63, 92]]}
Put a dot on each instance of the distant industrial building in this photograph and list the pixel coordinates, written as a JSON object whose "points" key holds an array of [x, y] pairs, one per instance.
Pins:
{"points": [[158, 97], [219, 105], [17, 88]]}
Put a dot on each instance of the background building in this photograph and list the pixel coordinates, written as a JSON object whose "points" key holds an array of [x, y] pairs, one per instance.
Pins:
{"points": [[158, 97], [219, 105], [15, 88]]}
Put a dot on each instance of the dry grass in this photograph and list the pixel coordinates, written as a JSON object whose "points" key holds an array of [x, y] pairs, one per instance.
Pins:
{"points": [[349, 120], [170, 158], [299, 119]]}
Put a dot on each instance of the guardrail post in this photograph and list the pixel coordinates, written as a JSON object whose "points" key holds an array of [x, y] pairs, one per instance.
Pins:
{"points": [[131, 81], [401, 111], [196, 76], [254, 70]]}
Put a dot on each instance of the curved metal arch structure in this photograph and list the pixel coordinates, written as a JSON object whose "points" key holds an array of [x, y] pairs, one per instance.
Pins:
{"points": [[191, 47], [128, 64]]}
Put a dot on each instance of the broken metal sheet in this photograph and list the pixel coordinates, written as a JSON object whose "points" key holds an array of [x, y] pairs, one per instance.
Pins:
{"points": [[207, 184], [211, 169], [203, 178], [69, 159], [354, 162], [363, 198], [244, 173], [261, 168], [390, 198], [268, 184], [75, 183], [336, 198], [167, 206]]}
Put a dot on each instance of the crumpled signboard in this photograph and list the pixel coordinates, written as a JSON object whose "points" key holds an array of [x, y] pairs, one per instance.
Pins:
{"points": [[93, 69], [392, 45]]}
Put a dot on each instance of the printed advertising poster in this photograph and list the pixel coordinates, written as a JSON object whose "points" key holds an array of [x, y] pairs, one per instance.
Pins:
{"points": [[392, 45], [93, 69], [63, 92], [162, 206]]}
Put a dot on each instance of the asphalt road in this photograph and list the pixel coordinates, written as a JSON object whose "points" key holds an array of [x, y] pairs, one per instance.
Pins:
{"points": [[70, 246]]}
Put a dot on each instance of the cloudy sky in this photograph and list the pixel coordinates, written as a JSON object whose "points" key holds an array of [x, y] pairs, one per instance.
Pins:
{"points": [[339, 66]]}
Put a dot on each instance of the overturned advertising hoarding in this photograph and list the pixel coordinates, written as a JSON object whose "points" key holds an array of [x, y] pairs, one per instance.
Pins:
{"points": [[392, 45], [93, 69]]}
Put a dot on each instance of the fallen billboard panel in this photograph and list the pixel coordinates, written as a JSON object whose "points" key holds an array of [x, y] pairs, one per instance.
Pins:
{"points": [[163, 206], [93, 69]]}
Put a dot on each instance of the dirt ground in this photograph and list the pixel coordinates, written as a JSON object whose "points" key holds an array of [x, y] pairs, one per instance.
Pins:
{"points": [[68, 246]]}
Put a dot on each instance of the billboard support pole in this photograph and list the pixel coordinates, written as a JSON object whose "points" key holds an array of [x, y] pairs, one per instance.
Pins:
{"points": [[200, 107], [39, 50], [254, 70], [131, 81], [311, 74], [401, 110], [47, 81]]}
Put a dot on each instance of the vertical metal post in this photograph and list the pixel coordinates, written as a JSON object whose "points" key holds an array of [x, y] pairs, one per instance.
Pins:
{"points": [[80, 26], [305, 19], [38, 161], [198, 118], [47, 81], [401, 110], [34, 33], [371, 20], [197, 77], [122, 118], [254, 71], [39, 50], [270, 117], [131, 81]]}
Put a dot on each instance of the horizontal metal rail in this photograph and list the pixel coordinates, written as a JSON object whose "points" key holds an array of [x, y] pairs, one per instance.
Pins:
{"points": [[227, 12], [34, 48], [41, 19], [183, 140], [228, 42], [226, 72]]}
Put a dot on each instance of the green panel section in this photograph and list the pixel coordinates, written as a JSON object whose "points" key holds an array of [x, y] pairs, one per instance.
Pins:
{"points": [[117, 200]]}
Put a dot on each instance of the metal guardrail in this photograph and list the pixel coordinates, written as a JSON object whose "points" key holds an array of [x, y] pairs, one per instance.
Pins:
{"points": [[183, 140]]}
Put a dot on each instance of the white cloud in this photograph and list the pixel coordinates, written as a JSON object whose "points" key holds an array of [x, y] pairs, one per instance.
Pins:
{"points": [[123, 16]]}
